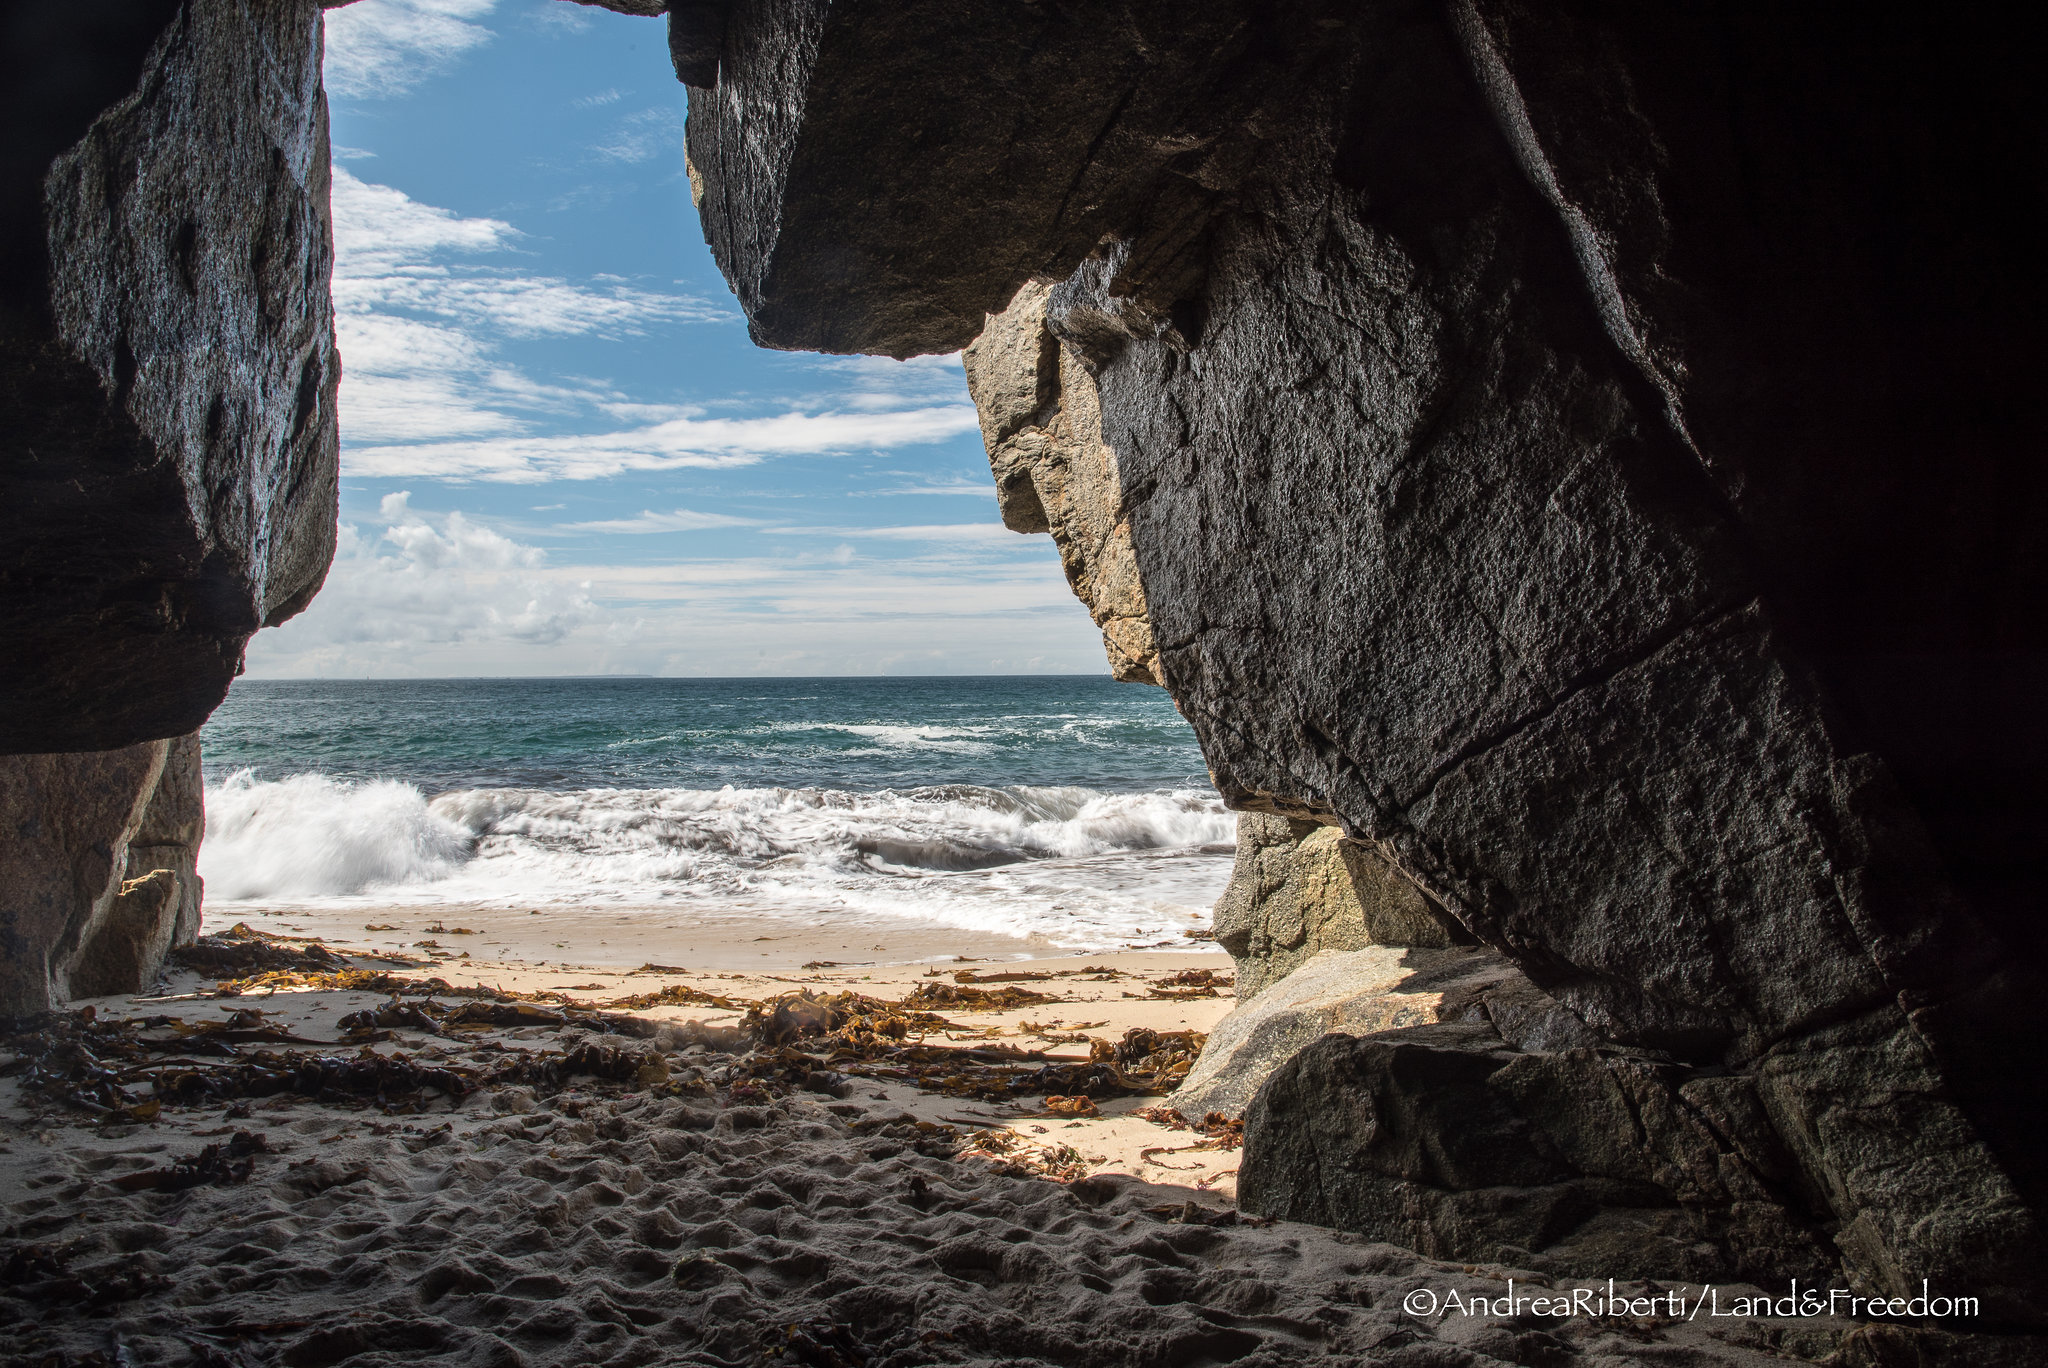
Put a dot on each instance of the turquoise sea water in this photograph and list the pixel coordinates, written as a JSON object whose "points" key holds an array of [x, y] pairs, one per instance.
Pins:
{"points": [[696, 733], [1074, 808]]}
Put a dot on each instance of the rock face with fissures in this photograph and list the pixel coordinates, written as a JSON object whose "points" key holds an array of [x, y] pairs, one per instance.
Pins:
{"points": [[1300, 888], [99, 879], [1581, 455], [167, 358], [1041, 420]]}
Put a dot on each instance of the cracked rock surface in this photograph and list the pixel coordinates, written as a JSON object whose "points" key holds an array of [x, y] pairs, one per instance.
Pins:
{"points": [[1574, 451], [167, 358]]}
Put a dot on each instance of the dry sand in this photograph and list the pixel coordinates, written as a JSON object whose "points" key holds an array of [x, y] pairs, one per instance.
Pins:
{"points": [[686, 1217]]}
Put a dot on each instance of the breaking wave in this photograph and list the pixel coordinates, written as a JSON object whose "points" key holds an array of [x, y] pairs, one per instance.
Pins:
{"points": [[1081, 866]]}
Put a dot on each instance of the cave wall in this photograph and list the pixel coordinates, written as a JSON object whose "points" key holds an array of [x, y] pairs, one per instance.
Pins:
{"points": [[173, 825], [1041, 421], [168, 446], [1579, 452], [100, 878], [69, 819], [1580, 455], [167, 358], [1298, 889]]}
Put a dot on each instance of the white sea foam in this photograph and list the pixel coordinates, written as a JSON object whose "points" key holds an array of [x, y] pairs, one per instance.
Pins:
{"points": [[1078, 866], [310, 835], [886, 738]]}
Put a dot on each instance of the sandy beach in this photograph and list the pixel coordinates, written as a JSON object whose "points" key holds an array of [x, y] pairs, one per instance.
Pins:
{"points": [[596, 1164], [610, 939]]}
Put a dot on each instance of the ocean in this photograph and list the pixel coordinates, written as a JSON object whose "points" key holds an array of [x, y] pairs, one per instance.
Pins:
{"points": [[1071, 810]]}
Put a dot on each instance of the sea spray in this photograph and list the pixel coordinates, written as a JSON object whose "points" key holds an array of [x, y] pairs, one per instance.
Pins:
{"points": [[1067, 863], [1074, 810], [312, 836]]}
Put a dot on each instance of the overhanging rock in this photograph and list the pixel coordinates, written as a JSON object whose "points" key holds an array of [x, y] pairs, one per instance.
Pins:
{"points": [[167, 359], [1580, 453]]}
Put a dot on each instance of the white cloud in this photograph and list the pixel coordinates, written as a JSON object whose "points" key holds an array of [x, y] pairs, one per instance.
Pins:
{"points": [[418, 333], [414, 594], [977, 489], [603, 97], [386, 249], [878, 382], [378, 229], [677, 520], [924, 532], [644, 135], [381, 48], [564, 18], [415, 581], [676, 444]]}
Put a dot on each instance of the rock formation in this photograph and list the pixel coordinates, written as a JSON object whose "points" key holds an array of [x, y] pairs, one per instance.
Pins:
{"points": [[1299, 889], [157, 905], [1580, 454], [172, 827], [1357, 992], [1042, 423], [1580, 1163], [98, 882], [167, 360]]}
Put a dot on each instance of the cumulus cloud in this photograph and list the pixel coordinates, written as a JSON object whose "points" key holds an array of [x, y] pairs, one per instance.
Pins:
{"points": [[834, 612], [410, 581], [380, 48], [417, 593]]}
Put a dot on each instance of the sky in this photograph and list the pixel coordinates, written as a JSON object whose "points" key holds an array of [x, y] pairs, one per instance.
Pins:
{"points": [[560, 453]]}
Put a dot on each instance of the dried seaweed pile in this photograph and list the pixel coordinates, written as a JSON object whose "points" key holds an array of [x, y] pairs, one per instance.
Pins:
{"points": [[242, 950], [1217, 1129], [1020, 1156], [850, 1035], [963, 998], [1194, 983], [128, 1069], [253, 961]]}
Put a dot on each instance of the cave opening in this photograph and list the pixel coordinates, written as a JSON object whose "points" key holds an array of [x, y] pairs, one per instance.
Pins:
{"points": [[611, 662], [1555, 479]]}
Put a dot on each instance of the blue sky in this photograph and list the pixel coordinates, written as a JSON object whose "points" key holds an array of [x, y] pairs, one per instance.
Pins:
{"points": [[561, 455]]}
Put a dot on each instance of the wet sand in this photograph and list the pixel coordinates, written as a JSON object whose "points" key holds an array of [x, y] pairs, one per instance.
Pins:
{"points": [[609, 936]]}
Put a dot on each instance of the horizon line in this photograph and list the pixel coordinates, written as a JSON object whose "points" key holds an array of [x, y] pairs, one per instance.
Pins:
{"points": [[458, 679]]}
